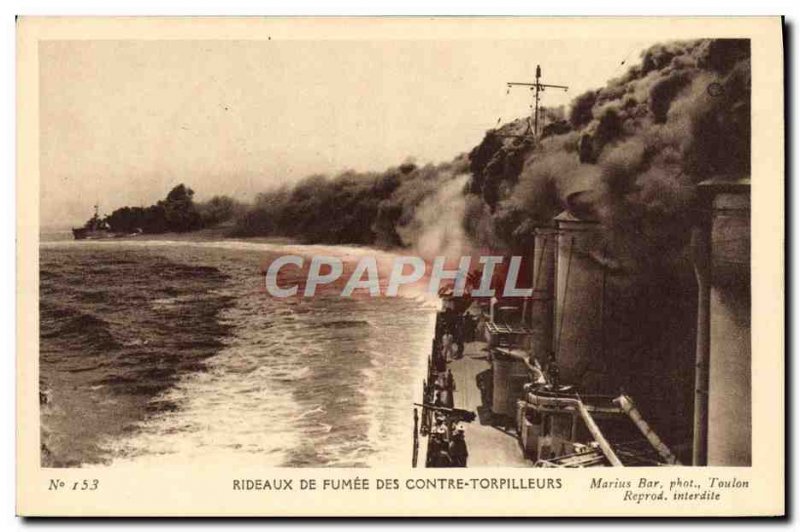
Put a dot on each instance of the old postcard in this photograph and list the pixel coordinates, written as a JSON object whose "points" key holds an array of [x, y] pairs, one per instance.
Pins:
{"points": [[400, 267]]}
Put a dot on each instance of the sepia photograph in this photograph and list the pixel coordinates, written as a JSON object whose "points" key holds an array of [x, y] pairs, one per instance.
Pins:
{"points": [[393, 250]]}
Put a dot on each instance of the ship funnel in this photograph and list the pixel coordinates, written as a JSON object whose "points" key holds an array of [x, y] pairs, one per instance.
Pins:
{"points": [[721, 249], [579, 298]]}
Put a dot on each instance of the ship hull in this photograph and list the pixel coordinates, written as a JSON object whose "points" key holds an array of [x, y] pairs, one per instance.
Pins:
{"points": [[81, 233]]}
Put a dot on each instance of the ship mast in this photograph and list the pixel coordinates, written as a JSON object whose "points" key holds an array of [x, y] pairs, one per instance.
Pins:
{"points": [[536, 87]]}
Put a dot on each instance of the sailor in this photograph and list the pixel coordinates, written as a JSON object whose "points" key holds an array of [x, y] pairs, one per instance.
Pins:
{"points": [[458, 448], [448, 399], [441, 360], [458, 336], [440, 382], [438, 400], [442, 459], [468, 328], [448, 347], [434, 445], [450, 383]]}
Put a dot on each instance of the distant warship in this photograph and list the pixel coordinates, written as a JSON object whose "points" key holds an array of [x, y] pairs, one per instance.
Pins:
{"points": [[93, 229]]}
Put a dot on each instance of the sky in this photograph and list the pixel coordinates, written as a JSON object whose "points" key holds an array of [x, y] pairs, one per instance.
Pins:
{"points": [[122, 122]]}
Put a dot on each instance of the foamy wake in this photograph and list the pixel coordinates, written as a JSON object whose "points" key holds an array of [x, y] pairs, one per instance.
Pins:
{"points": [[262, 399]]}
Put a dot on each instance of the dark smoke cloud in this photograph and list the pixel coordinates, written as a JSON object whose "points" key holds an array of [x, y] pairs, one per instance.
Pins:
{"points": [[628, 154], [399, 207]]}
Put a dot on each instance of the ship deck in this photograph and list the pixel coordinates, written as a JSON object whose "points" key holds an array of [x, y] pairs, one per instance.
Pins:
{"points": [[488, 445]]}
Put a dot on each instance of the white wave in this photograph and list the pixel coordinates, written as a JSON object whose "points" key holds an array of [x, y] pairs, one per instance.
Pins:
{"points": [[317, 410]]}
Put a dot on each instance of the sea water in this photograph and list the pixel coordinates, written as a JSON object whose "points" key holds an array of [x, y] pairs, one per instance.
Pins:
{"points": [[173, 352]]}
